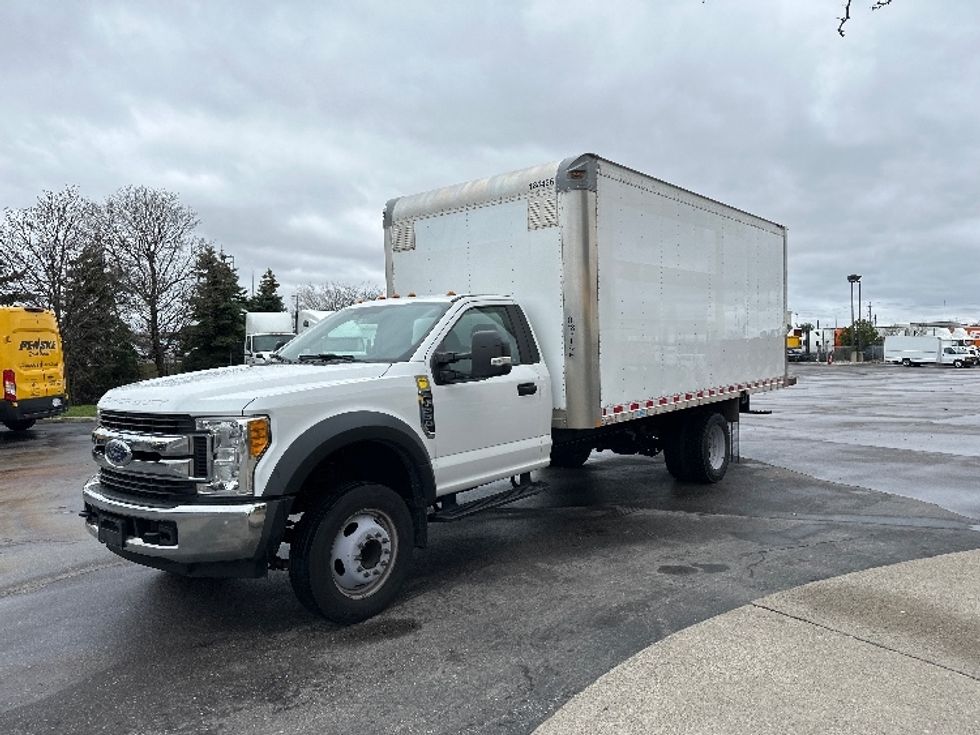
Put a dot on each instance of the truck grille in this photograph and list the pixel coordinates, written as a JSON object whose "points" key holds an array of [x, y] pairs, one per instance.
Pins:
{"points": [[201, 456], [145, 485], [147, 423]]}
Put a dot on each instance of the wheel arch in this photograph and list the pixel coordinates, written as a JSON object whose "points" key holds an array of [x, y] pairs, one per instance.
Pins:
{"points": [[360, 445]]}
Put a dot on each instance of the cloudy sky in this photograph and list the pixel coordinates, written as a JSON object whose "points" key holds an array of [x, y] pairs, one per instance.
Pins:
{"points": [[287, 126]]}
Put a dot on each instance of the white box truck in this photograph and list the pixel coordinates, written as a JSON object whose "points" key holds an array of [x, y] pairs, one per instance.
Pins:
{"points": [[914, 351], [579, 305], [309, 317], [265, 332]]}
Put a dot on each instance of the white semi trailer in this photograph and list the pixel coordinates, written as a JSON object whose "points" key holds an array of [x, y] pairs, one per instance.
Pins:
{"points": [[531, 318]]}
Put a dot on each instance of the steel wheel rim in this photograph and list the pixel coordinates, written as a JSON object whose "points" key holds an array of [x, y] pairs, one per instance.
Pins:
{"points": [[363, 553], [717, 451]]}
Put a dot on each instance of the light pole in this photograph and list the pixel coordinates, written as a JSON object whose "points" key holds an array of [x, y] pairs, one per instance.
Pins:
{"points": [[852, 279]]}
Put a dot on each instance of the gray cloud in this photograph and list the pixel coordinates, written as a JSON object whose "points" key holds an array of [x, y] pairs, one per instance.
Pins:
{"points": [[287, 126]]}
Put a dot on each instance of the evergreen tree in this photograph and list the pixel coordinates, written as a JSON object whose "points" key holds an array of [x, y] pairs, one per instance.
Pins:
{"points": [[99, 352], [267, 298], [217, 330], [865, 332]]}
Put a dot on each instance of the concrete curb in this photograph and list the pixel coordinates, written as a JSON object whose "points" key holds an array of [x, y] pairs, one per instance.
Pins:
{"points": [[889, 650]]}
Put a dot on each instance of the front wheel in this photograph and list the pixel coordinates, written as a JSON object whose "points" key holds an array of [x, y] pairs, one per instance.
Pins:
{"points": [[907, 362], [19, 425], [957, 363], [352, 552]]}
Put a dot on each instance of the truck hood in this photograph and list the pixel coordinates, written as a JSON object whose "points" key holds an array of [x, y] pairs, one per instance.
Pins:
{"points": [[229, 390]]}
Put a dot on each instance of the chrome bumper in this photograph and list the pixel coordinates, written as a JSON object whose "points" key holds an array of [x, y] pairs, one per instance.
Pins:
{"points": [[205, 533]]}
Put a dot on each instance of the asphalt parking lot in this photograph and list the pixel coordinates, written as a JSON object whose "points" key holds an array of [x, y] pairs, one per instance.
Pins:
{"points": [[510, 612]]}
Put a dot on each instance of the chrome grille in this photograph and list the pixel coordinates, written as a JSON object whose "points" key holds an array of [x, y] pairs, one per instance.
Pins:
{"points": [[147, 423]]}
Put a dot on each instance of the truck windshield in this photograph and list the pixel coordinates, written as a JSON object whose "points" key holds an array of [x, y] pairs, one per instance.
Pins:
{"points": [[268, 342], [387, 332]]}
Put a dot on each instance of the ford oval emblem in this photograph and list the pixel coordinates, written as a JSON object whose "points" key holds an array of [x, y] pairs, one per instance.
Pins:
{"points": [[118, 453]]}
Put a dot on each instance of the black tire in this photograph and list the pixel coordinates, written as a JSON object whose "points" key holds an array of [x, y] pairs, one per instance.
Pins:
{"points": [[957, 363], [570, 456], [674, 441], [19, 425], [328, 534], [907, 362], [708, 448]]}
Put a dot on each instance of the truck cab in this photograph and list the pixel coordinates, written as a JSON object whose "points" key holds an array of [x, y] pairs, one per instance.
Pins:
{"points": [[357, 428]]}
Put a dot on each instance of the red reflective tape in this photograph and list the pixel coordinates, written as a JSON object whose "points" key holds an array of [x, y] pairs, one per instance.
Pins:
{"points": [[634, 406], [649, 404], [617, 409], [663, 401]]}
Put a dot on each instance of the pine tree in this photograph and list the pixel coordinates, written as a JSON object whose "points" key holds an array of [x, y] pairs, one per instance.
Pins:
{"points": [[217, 331], [267, 298], [99, 352]]}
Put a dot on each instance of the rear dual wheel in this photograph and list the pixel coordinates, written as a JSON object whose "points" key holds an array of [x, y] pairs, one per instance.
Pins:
{"points": [[570, 455], [699, 448]]}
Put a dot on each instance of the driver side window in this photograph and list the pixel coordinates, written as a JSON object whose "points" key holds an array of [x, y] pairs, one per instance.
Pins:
{"points": [[478, 319]]}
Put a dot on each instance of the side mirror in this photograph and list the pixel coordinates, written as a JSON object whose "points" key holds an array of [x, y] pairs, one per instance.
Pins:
{"points": [[490, 354]]}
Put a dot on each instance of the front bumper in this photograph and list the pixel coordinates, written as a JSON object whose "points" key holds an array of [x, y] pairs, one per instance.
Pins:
{"points": [[196, 539], [33, 408]]}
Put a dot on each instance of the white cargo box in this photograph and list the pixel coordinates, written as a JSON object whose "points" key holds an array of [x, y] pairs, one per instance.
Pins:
{"points": [[645, 297]]}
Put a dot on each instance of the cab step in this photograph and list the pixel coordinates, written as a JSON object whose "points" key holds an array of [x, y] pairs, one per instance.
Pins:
{"points": [[450, 510]]}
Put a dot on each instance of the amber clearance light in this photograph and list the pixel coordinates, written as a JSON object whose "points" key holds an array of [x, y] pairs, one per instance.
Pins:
{"points": [[259, 436]]}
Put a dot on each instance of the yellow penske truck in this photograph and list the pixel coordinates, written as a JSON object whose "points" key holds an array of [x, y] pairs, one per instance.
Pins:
{"points": [[32, 366]]}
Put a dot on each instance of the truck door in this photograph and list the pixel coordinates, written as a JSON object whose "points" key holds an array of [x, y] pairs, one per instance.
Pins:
{"points": [[491, 427]]}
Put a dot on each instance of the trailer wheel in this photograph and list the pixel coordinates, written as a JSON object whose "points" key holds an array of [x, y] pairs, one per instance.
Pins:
{"points": [[571, 456], [708, 448], [352, 552], [19, 425]]}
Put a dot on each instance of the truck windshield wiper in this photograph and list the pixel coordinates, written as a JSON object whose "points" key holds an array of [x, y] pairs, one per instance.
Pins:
{"points": [[327, 357], [278, 358]]}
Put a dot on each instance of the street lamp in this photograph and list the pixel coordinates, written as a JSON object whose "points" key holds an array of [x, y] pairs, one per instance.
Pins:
{"points": [[852, 279]]}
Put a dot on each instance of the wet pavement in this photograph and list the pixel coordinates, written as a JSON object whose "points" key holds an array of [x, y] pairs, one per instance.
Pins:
{"points": [[910, 431], [509, 613]]}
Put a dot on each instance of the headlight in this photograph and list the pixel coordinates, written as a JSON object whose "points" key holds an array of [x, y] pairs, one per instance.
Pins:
{"points": [[236, 446]]}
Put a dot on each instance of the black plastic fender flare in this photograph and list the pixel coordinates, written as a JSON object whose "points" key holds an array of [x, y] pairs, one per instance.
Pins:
{"points": [[324, 438]]}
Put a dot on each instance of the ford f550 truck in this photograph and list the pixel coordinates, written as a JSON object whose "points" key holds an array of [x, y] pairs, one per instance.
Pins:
{"points": [[580, 306]]}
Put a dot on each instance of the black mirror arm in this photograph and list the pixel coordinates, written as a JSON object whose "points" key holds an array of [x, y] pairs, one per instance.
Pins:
{"points": [[448, 358]]}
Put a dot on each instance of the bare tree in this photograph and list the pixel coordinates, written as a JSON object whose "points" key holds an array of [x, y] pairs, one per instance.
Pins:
{"points": [[151, 239], [42, 243], [877, 5], [334, 295]]}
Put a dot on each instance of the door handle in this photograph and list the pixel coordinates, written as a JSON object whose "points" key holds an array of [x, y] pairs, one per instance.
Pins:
{"points": [[527, 389]]}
